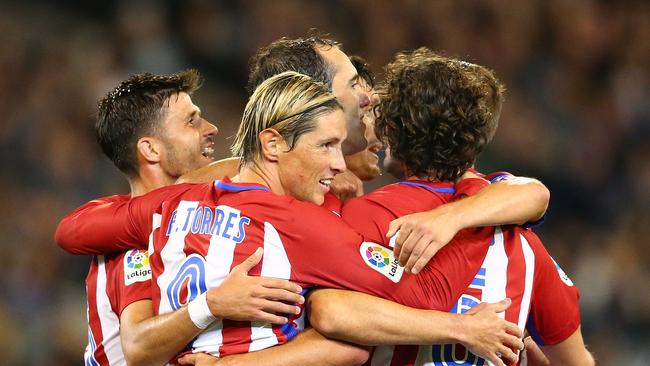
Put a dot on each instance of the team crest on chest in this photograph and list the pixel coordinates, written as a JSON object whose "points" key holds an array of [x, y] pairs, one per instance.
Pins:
{"points": [[381, 260], [136, 267]]}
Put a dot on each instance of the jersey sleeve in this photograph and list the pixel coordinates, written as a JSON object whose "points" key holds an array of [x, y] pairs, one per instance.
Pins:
{"points": [[555, 312], [132, 278], [337, 257], [107, 226], [356, 213]]}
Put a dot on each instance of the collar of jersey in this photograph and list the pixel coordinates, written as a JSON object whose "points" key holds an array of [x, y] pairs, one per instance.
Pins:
{"points": [[234, 187], [426, 185]]}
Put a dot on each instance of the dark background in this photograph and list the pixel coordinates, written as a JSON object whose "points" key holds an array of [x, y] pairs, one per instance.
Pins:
{"points": [[576, 117]]}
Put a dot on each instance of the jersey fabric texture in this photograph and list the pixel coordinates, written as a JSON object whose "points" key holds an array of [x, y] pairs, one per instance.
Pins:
{"points": [[197, 233], [113, 282]]}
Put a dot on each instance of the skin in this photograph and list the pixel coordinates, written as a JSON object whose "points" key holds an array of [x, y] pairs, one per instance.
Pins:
{"points": [[350, 94], [305, 171], [184, 142]]}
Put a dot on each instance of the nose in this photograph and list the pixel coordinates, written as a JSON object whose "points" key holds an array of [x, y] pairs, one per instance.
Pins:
{"points": [[364, 100], [338, 163], [209, 129]]}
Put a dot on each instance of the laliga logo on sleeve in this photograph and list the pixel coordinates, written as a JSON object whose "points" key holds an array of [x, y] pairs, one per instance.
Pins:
{"points": [[567, 281], [381, 260], [136, 267]]}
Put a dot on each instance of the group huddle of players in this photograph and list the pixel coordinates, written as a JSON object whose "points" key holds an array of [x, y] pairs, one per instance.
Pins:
{"points": [[275, 256]]}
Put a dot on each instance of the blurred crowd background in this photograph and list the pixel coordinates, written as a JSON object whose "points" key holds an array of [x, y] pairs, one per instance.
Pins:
{"points": [[576, 116]]}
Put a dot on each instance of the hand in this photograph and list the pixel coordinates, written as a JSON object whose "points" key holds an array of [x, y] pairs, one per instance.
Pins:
{"points": [[533, 354], [491, 337], [198, 359], [421, 235], [252, 298], [346, 185]]}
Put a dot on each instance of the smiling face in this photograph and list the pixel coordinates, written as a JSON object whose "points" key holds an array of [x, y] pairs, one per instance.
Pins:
{"points": [[349, 92], [187, 138], [306, 171]]}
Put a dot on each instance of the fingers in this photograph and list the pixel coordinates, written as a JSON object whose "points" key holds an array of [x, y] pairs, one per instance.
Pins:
{"points": [[513, 329], [277, 307], [502, 305], [513, 342], [282, 295], [393, 227], [410, 246], [279, 284], [416, 263], [495, 360], [188, 359], [250, 262], [508, 354]]}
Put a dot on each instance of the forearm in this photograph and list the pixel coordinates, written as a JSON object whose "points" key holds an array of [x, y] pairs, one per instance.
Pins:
{"points": [[308, 348], [514, 201], [369, 320], [217, 170], [154, 340]]}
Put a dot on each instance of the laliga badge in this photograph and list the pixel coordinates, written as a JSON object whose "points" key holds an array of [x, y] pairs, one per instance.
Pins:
{"points": [[382, 260], [136, 267]]}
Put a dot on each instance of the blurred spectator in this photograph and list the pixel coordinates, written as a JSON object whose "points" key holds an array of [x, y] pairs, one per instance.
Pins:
{"points": [[577, 117]]}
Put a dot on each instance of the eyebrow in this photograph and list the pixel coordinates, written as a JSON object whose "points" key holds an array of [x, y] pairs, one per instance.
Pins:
{"points": [[354, 78], [196, 112]]}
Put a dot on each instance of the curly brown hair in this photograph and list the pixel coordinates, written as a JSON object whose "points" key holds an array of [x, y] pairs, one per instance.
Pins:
{"points": [[437, 114]]}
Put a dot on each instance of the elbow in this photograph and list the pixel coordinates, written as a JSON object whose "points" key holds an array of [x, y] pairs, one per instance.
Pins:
{"points": [[541, 198], [64, 237], [326, 324], [135, 356]]}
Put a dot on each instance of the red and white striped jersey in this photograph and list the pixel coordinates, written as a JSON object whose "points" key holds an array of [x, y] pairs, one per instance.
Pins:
{"points": [[202, 231], [516, 266], [114, 281]]}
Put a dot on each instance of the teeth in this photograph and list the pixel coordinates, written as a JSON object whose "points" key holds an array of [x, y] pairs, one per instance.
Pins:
{"points": [[326, 182], [207, 151]]}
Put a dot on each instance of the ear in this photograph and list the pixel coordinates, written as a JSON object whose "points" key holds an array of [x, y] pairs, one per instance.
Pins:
{"points": [[149, 149], [272, 144]]}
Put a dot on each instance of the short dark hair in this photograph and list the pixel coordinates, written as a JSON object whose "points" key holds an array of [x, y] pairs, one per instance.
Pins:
{"points": [[299, 55], [363, 69], [133, 109], [437, 114]]}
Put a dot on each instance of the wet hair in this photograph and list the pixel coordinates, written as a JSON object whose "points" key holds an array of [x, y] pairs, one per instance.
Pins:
{"points": [[437, 114], [135, 109], [289, 103]]}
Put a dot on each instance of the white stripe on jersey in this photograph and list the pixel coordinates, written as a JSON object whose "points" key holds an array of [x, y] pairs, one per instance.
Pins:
{"points": [[172, 254], [529, 258], [274, 264], [108, 320], [155, 224], [496, 269]]}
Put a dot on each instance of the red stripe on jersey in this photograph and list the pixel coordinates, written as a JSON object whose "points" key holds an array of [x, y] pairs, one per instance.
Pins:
{"points": [[94, 322]]}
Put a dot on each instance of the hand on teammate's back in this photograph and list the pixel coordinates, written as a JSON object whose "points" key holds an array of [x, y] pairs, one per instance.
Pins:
{"points": [[491, 337], [253, 298], [421, 235]]}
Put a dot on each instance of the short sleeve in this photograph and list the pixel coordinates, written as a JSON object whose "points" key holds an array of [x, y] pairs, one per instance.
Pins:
{"points": [[555, 312]]}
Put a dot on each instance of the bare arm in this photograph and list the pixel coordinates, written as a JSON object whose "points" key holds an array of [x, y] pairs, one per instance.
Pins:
{"points": [[153, 340], [421, 235], [308, 348], [367, 320], [216, 170], [570, 352]]}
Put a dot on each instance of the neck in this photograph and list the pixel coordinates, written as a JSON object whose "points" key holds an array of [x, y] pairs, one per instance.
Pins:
{"points": [[147, 180], [260, 173]]}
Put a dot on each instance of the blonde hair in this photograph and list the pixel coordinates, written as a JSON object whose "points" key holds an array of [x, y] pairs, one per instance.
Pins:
{"points": [[289, 103]]}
